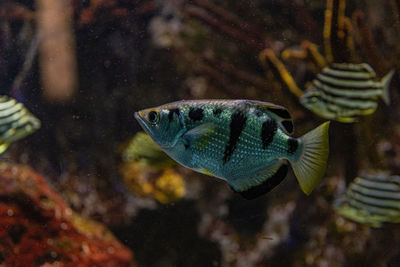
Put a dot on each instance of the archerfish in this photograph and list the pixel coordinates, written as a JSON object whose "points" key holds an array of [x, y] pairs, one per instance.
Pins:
{"points": [[344, 91], [245, 142], [16, 122], [372, 199]]}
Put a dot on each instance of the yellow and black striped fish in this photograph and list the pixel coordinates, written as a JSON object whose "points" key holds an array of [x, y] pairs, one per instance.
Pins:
{"points": [[344, 91], [16, 122], [372, 200]]}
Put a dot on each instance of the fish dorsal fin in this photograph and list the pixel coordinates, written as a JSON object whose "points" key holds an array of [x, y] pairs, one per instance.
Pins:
{"points": [[279, 113], [199, 135], [261, 183]]}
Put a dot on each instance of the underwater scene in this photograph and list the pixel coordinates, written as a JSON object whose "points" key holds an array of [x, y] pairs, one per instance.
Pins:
{"points": [[199, 133]]}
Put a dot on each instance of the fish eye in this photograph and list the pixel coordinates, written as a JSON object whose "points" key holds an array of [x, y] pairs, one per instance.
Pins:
{"points": [[314, 99], [153, 117]]}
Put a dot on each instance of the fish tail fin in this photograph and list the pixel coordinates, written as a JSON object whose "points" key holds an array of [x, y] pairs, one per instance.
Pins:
{"points": [[310, 166], [386, 85]]}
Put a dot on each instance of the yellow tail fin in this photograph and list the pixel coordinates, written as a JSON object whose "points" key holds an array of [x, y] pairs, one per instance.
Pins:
{"points": [[310, 166]]}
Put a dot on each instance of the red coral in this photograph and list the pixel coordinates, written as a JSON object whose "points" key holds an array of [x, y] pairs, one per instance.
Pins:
{"points": [[36, 227]]}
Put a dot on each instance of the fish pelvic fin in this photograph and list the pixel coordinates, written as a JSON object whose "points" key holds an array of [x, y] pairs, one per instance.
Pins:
{"points": [[386, 86], [310, 166]]}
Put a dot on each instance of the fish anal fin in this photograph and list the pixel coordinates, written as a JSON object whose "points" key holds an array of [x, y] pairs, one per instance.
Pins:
{"points": [[269, 180]]}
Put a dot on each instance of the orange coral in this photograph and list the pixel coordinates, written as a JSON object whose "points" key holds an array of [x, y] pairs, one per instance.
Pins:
{"points": [[37, 227]]}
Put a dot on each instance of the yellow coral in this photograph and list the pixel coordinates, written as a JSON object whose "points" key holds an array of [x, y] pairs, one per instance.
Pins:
{"points": [[143, 149], [170, 186], [164, 185]]}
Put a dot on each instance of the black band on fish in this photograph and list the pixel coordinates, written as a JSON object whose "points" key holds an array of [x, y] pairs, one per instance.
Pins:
{"points": [[171, 113], [268, 131], [238, 122], [344, 106], [292, 145], [196, 114], [258, 112], [267, 185], [348, 87], [357, 79], [371, 204], [217, 111], [349, 69]]}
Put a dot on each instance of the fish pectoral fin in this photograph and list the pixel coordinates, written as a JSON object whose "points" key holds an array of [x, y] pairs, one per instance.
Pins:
{"points": [[198, 135], [262, 182]]}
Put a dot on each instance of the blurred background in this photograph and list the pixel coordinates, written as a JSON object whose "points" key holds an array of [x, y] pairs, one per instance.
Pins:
{"points": [[83, 67]]}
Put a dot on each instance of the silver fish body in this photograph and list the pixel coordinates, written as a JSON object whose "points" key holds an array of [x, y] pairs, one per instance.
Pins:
{"points": [[372, 199], [245, 142], [344, 91], [16, 122]]}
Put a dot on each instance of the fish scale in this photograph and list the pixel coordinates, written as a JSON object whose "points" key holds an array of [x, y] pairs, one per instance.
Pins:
{"points": [[245, 142]]}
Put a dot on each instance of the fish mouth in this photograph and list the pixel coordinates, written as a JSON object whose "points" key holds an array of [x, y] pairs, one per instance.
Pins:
{"points": [[139, 117]]}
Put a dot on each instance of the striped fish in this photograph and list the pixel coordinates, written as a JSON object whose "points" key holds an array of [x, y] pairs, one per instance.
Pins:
{"points": [[372, 200], [344, 91], [16, 122], [247, 143]]}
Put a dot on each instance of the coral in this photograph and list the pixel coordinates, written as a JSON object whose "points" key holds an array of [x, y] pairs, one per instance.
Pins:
{"points": [[148, 171], [37, 227], [165, 185]]}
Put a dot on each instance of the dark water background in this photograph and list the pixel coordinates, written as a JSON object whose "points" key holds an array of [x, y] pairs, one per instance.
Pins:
{"points": [[137, 54]]}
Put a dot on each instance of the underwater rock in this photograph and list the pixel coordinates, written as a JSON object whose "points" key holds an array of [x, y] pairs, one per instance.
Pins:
{"points": [[37, 227]]}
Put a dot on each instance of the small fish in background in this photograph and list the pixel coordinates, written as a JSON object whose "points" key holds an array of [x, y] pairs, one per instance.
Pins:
{"points": [[247, 143], [344, 91], [16, 122], [372, 200], [149, 172], [144, 150]]}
